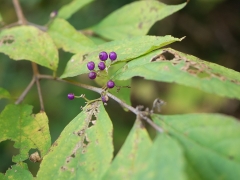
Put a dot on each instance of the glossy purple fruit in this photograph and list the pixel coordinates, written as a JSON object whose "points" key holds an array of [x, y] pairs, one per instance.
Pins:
{"points": [[92, 75], [91, 65], [101, 66], [110, 84], [103, 56], [71, 96], [112, 56]]}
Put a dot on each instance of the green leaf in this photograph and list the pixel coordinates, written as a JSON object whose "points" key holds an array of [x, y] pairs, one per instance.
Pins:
{"points": [[126, 50], [211, 143], [67, 37], [183, 69], [134, 19], [4, 94], [124, 164], [28, 131], [68, 10], [18, 172], [84, 149], [29, 43], [165, 160]]}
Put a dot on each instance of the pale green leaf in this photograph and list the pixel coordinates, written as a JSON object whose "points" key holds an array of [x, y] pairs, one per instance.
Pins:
{"points": [[124, 166], [28, 131], [4, 94], [68, 10], [29, 43], [18, 172], [126, 50], [211, 143], [184, 69], [84, 149], [65, 36], [164, 160], [134, 19]]}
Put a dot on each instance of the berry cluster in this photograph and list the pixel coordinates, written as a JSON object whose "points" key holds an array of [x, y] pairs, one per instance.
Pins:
{"points": [[103, 56]]}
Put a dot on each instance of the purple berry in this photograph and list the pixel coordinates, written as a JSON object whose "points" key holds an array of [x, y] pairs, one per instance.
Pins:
{"points": [[104, 98], [101, 66], [92, 75], [71, 96], [103, 56], [113, 56], [110, 84], [91, 65]]}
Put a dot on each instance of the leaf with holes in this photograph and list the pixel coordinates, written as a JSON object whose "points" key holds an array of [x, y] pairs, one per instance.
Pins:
{"points": [[183, 69], [4, 94], [126, 49], [29, 43], [83, 150], [18, 172], [124, 164], [67, 37], [27, 130], [134, 19], [68, 10], [211, 143]]}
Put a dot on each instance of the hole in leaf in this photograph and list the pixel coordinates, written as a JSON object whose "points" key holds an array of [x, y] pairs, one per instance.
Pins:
{"points": [[7, 150], [7, 40], [168, 56]]}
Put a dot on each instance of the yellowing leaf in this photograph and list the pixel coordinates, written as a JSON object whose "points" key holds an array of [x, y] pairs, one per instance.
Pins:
{"points": [[84, 149], [28, 131], [29, 43]]}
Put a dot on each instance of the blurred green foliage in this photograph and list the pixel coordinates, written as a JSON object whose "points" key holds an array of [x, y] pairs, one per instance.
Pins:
{"points": [[213, 33]]}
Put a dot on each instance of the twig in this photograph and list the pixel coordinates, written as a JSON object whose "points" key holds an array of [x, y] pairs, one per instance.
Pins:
{"points": [[35, 74], [22, 20], [18, 9], [99, 90], [20, 99]]}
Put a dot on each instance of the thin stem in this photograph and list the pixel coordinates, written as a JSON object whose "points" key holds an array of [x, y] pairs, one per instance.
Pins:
{"points": [[18, 9], [100, 90], [30, 85], [35, 74]]}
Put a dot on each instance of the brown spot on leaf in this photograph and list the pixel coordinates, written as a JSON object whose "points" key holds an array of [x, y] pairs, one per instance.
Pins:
{"points": [[84, 57], [55, 143], [63, 168], [6, 40], [35, 157], [140, 25], [153, 9]]}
